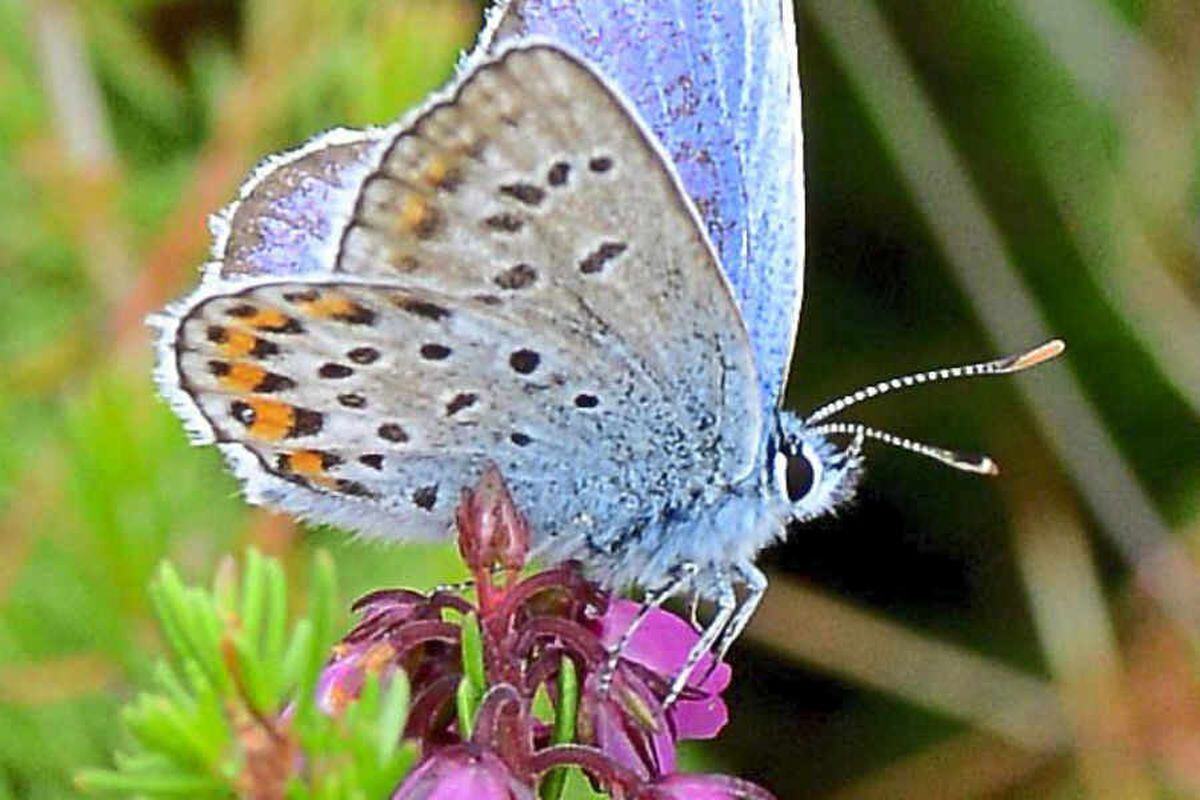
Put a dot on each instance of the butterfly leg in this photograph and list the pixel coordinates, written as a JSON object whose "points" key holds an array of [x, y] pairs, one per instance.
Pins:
{"points": [[726, 606], [458, 587], [756, 586], [682, 578], [694, 614], [454, 588]]}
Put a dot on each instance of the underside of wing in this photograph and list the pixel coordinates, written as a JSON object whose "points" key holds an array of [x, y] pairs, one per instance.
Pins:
{"points": [[520, 280], [717, 83], [289, 215]]}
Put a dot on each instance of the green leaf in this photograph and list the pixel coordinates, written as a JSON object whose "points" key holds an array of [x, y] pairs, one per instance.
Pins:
{"points": [[466, 703], [254, 591], [393, 713], [474, 680], [235, 659], [566, 718], [159, 785]]}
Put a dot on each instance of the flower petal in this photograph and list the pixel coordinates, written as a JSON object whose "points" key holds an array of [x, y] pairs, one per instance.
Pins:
{"points": [[463, 772], [703, 787], [627, 724], [661, 643]]}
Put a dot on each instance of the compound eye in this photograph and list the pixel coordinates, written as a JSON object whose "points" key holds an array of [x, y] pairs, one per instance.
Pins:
{"points": [[798, 473]]}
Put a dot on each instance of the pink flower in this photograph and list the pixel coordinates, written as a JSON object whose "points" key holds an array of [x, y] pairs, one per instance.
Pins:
{"points": [[463, 772], [661, 644], [342, 679], [527, 630], [627, 724], [702, 787]]}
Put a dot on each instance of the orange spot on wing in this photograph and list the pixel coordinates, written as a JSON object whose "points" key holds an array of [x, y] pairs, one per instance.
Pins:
{"points": [[266, 319], [327, 305], [440, 174], [436, 170], [237, 343], [307, 462], [335, 306], [417, 216], [273, 420], [243, 377]]}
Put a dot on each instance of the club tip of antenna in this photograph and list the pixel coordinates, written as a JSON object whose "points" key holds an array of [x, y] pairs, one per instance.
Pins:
{"points": [[1038, 355], [974, 462]]}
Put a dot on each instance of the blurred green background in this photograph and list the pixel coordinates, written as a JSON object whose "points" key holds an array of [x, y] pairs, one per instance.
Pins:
{"points": [[980, 173]]}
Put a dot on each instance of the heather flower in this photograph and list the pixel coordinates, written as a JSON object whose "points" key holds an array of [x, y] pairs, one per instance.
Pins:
{"points": [[627, 724], [702, 787], [661, 644], [460, 772], [476, 668]]}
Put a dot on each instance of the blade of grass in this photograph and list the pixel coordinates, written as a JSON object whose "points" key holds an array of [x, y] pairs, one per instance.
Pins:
{"points": [[976, 252], [1072, 620], [818, 629]]}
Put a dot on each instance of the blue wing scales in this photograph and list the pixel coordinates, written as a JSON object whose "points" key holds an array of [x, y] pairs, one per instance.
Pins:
{"points": [[717, 82]]}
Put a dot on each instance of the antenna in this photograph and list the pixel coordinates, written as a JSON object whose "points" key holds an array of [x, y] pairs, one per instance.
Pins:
{"points": [[1000, 366], [960, 460]]}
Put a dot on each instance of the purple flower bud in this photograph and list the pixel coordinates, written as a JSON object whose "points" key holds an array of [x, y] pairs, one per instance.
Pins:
{"points": [[463, 772], [491, 531]]}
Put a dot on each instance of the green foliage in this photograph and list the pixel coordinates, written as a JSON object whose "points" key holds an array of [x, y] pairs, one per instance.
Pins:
{"points": [[474, 681], [97, 485], [565, 717], [233, 709]]}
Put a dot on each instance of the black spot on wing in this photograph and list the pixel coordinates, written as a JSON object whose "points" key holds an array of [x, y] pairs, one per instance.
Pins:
{"points": [[461, 401], [598, 259], [558, 174], [516, 277], [435, 352], [425, 497], [524, 361], [421, 308], [363, 355], [308, 423], [333, 371], [504, 223], [392, 432], [353, 488], [525, 193]]}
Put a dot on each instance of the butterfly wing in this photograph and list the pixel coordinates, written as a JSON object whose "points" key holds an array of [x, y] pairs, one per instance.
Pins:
{"points": [[290, 213], [522, 280], [718, 84]]}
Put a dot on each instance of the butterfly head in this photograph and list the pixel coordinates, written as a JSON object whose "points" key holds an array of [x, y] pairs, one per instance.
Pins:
{"points": [[815, 475], [809, 471]]}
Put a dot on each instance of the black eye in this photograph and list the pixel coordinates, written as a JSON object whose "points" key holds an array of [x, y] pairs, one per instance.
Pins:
{"points": [[798, 476]]}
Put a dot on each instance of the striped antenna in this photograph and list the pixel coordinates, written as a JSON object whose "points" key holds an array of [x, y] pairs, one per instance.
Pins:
{"points": [[966, 462], [1000, 366]]}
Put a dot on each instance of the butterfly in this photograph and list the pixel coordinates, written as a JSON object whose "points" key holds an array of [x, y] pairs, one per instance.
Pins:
{"points": [[582, 262]]}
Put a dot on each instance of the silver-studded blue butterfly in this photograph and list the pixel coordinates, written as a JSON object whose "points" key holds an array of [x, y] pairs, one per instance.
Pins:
{"points": [[582, 262]]}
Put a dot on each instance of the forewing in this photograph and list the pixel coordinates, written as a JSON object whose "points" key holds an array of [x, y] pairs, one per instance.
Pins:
{"points": [[522, 281], [717, 83]]}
